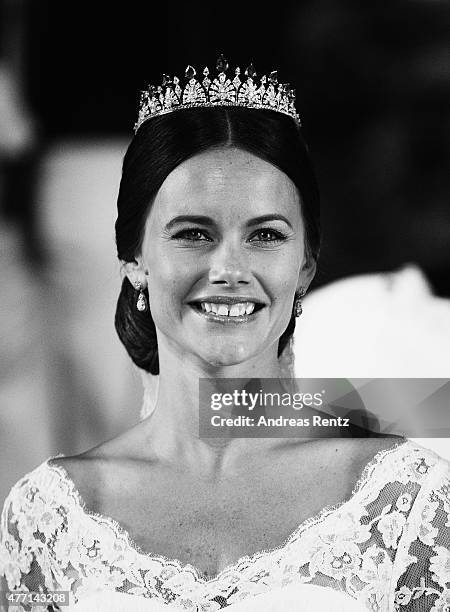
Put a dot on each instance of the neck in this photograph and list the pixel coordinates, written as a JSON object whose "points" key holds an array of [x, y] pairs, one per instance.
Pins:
{"points": [[173, 428]]}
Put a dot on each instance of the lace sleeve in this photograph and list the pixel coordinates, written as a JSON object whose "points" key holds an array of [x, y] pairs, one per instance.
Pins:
{"points": [[24, 561], [423, 558]]}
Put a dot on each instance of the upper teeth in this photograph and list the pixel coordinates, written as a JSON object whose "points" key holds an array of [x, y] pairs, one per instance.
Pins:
{"points": [[234, 310]]}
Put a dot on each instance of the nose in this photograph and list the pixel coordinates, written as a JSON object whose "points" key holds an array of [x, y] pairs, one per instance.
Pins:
{"points": [[229, 267]]}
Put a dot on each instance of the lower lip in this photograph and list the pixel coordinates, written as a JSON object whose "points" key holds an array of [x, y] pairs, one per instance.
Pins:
{"points": [[224, 319]]}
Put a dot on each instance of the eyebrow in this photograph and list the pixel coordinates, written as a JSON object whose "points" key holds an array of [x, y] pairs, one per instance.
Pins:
{"points": [[265, 218], [207, 221]]}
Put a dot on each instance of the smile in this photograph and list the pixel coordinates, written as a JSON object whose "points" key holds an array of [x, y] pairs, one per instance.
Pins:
{"points": [[229, 310], [238, 312]]}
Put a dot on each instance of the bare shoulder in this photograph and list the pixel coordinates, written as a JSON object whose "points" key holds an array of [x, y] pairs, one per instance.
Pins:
{"points": [[106, 456], [367, 447], [353, 450], [90, 471], [84, 473], [357, 453], [338, 460], [105, 471]]}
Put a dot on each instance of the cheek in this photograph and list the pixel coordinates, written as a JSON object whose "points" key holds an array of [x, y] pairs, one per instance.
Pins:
{"points": [[282, 307], [170, 280], [283, 283], [164, 290], [282, 277]]}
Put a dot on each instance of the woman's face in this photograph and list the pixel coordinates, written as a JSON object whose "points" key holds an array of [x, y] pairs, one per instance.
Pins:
{"points": [[224, 251]]}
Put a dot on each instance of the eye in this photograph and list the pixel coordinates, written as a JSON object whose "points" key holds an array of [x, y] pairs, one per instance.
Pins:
{"points": [[192, 234], [267, 234]]}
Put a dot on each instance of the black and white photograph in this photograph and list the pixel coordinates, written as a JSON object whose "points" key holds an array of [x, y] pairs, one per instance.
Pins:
{"points": [[225, 306]]}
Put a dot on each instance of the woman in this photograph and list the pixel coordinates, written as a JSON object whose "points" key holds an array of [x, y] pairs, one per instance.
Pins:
{"points": [[218, 233]]}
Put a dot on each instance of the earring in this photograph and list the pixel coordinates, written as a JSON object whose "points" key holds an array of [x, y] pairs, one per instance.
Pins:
{"points": [[141, 303], [298, 302]]}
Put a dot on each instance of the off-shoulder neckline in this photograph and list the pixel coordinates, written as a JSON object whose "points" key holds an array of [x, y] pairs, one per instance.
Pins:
{"points": [[244, 560]]}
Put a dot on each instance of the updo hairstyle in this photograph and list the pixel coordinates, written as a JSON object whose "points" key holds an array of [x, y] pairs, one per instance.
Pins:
{"points": [[159, 146]]}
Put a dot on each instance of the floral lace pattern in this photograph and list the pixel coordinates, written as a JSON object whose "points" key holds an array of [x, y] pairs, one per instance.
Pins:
{"points": [[387, 546]]}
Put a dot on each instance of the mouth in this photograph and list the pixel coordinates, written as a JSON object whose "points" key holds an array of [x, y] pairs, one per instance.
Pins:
{"points": [[236, 312]]}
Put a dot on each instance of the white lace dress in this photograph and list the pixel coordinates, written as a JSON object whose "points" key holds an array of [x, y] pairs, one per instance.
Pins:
{"points": [[384, 549]]}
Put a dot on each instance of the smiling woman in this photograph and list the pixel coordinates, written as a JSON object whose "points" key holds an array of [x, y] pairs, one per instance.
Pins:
{"points": [[218, 233], [223, 188], [223, 253]]}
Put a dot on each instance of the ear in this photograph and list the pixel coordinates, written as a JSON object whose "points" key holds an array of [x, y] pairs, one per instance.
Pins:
{"points": [[135, 271], [307, 273]]}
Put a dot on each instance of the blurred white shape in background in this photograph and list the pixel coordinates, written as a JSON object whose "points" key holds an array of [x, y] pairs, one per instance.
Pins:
{"points": [[386, 325], [16, 124], [25, 418], [78, 202], [66, 382]]}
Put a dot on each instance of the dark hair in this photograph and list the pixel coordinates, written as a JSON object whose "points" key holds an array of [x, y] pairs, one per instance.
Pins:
{"points": [[159, 146]]}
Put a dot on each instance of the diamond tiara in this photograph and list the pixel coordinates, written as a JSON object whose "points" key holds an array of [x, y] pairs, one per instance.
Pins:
{"points": [[171, 95]]}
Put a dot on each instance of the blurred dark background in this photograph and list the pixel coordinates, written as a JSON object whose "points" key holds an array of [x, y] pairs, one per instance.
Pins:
{"points": [[373, 90]]}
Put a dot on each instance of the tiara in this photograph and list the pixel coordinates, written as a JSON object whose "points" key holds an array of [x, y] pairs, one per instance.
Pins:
{"points": [[171, 95]]}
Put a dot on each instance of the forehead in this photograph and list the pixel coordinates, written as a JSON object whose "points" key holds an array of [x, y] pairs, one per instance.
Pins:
{"points": [[226, 180]]}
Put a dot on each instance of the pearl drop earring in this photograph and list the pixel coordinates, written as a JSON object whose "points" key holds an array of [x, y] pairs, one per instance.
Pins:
{"points": [[141, 303]]}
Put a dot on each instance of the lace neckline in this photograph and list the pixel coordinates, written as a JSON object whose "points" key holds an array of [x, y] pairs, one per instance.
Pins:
{"points": [[242, 562]]}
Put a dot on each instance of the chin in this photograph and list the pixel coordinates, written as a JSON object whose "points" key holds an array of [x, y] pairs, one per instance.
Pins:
{"points": [[228, 355]]}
